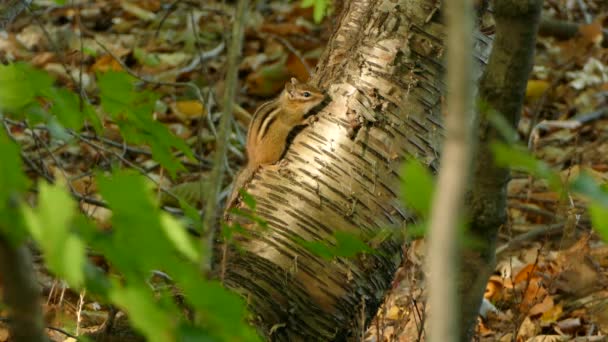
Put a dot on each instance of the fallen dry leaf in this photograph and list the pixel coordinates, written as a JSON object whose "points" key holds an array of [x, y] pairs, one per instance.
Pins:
{"points": [[187, 110]]}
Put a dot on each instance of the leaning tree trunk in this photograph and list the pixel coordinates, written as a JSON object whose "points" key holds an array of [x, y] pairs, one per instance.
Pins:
{"points": [[383, 69]]}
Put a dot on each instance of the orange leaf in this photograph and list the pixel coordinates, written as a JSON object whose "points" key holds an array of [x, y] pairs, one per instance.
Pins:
{"points": [[592, 33], [535, 294], [525, 274], [296, 67], [542, 307], [493, 288], [484, 331], [106, 63]]}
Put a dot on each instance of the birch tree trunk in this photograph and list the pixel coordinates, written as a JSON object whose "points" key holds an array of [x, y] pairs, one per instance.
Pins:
{"points": [[383, 69]]}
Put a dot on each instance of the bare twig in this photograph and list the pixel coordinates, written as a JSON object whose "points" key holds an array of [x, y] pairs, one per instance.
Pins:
{"points": [[584, 10], [10, 10], [215, 178], [130, 164], [63, 332], [574, 123], [202, 57], [293, 50], [79, 311], [564, 30], [170, 9], [588, 117], [173, 6], [550, 229], [55, 160], [205, 163], [42, 172]]}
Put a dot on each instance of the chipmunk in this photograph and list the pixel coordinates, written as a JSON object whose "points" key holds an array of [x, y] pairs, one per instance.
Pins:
{"points": [[271, 125]]}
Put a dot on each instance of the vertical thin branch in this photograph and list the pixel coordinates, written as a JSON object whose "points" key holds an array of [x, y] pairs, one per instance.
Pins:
{"points": [[79, 311], [453, 176], [21, 293], [215, 178], [501, 89]]}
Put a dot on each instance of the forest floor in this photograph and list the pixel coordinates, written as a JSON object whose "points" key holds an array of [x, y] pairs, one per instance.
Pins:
{"points": [[550, 282], [551, 277]]}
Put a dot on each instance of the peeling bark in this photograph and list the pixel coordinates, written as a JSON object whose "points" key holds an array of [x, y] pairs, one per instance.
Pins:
{"points": [[383, 70]]}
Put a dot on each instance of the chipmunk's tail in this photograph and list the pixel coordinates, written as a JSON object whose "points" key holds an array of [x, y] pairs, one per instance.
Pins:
{"points": [[241, 178]]}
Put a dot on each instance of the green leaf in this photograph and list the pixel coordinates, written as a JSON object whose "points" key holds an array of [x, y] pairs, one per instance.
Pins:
{"points": [[319, 248], [499, 122], [50, 225], [585, 185], [599, 219], [307, 3], [250, 215], [89, 113], [133, 111], [145, 57], [349, 245], [189, 333], [161, 152], [35, 113], [66, 107], [189, 192], [319, 10], [20, 84], [12, 180], [221, 310], [520, 158], [137, 225], [56, 130], [156, 324], [117, 92], [417, 230], [12, 184], [89, 51], [417, 187], [248, 199], [192, 216], [179, 237]]}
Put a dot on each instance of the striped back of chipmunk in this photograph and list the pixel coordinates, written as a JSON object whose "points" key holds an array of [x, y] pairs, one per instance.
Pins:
{"points": [[262, 120]]}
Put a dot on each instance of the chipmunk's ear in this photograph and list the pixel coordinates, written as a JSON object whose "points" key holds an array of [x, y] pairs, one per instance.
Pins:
{"points": [[294, 81], [290, 87]]}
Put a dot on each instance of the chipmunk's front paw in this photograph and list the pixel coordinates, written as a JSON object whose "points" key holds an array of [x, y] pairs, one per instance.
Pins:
{"points": [[311, 120]]}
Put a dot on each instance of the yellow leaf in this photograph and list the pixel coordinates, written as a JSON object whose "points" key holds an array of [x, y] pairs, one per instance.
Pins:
{"points": [[393, 313], [187, 110], [535, 89], [552, 315]]}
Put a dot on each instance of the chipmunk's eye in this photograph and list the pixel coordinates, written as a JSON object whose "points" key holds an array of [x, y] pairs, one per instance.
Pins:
{"points": [[306, 94]]}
